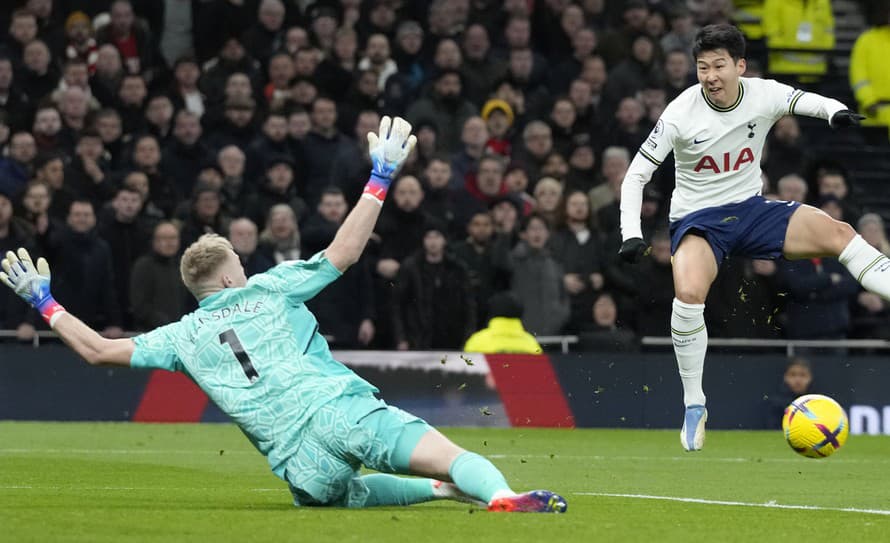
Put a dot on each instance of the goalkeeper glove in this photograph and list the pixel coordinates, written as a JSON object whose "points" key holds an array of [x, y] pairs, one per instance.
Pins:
{"points": [[633, 249], [388, 153], [31, 284], [845, 118]]}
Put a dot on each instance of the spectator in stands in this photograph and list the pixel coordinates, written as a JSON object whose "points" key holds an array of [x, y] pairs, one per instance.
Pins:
{"points": [[677, 73], [798, 24], [630, 75], [537, 143], [267, 33], [321, 146], [345, 310], [22, 31], [84, 271], [464, 162], [833, 182], [480, 191], [46, 128], [870, 313], [537, 279], [13, 102], [656, 293], [15, 169], [280, 240], [603, 332], [159, 118], [34, 212], [792, 188], [106, 80], [272, 140], [548, 199], [480, 69], [217, 82], [185, 154], [433, 304], [445, 106], [245, 241], [349, 171], [602, 105], [363, 96], [238, 126], [139, 182], [565, 71], [147, 159], [581, 175], [378, 59], [128, 237], [39, 76], [157, 295], [504, 333], [796, 381], [14, 234], [575, 245], [616, 44], [131, 97], [231, 161], [80, 43], [681, 35], [486, 259], [132, 38], [498, 117], [438, 199], [869, 77], [785, 149], [401, 226], [631, 126], [820, 291], [205, 215], [277, 188], [567, 133]]}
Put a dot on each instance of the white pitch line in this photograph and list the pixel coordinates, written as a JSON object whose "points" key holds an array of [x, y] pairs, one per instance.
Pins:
{"points": [[122, 488], [768, 505], [211, 452]]}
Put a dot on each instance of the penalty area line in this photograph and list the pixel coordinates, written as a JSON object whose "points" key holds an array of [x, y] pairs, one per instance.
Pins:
{"points": [[767, 505]]}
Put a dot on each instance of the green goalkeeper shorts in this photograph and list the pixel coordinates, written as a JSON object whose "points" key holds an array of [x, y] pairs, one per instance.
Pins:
{"points": [[341, 437]]}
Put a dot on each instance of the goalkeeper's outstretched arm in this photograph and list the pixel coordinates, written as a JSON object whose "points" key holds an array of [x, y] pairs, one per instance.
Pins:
{"points": [[388, 152], [32, 284]]}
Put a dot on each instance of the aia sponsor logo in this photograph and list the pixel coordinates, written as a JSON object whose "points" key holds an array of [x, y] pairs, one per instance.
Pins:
{"points": [[726, 162]]}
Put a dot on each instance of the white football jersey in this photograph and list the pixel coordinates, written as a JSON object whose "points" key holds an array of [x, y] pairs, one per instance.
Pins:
{"points": [[717, 150]]}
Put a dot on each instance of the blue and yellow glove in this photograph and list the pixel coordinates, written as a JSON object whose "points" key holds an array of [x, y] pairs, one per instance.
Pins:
{"points": [[30, 283], [388, 153]]}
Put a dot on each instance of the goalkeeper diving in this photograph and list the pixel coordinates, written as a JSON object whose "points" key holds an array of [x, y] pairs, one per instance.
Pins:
{"points": [[254, 348]]}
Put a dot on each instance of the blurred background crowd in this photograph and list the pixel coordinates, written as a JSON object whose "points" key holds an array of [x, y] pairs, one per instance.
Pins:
{"points": [[130, 128]]}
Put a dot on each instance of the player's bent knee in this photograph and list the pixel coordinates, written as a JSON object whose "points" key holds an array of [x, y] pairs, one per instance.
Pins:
{"points": [[691, 295], [842, 233]]}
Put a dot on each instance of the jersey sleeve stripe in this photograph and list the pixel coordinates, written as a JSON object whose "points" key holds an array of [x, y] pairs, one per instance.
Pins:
{"points": [[794, 101], [650, 158]]}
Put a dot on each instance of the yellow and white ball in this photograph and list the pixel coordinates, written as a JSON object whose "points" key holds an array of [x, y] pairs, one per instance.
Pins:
{"points": [[815, 426]]}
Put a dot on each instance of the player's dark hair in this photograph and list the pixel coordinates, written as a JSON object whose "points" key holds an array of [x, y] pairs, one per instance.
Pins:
{"points": [[720, 36]]}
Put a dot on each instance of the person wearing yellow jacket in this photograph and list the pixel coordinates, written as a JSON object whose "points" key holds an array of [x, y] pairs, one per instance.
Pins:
{"points": [[504, 333], [869, 76], [798, 24]]}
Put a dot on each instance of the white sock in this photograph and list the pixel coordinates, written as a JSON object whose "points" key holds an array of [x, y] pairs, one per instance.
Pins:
{"points": [[868, 265], [690, 344]]}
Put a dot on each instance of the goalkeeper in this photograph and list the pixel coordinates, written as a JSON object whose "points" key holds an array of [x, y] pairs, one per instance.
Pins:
{"points": [[254, 348]]}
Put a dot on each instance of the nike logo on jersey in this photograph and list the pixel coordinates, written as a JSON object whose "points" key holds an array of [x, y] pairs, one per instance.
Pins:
{"points": [[697, 141]]}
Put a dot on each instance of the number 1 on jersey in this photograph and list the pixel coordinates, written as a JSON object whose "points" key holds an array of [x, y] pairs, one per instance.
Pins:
{"points": [[231, 338]]}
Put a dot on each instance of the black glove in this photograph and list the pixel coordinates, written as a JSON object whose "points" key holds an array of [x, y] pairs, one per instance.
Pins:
{"points": [[845, 118], [632, 249]]}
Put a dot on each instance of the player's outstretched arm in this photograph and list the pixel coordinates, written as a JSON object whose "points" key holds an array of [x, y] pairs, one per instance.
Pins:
{"points": [[31, 283], [822, 107], [388, 152], [638, 174]]}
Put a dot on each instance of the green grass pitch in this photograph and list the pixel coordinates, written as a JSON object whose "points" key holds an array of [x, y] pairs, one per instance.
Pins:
{"points": [[203, 482]]}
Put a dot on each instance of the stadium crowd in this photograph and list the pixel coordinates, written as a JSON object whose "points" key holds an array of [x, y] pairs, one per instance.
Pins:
{"points": [[130, 128]]}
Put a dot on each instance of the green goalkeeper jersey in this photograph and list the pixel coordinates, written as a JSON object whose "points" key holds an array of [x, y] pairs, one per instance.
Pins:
{"points": [[257, 353]]}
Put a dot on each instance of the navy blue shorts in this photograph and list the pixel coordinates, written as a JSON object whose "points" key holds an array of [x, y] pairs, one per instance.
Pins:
{"points": [[754, 228]]}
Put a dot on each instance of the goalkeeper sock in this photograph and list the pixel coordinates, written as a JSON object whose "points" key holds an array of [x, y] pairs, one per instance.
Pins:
{"points": [[386, 489], [868, 265], [690, 338], [376, 188], [477, 477]]}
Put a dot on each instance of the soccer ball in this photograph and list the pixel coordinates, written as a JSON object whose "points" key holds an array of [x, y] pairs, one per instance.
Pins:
{"points": [[815, 426]]}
